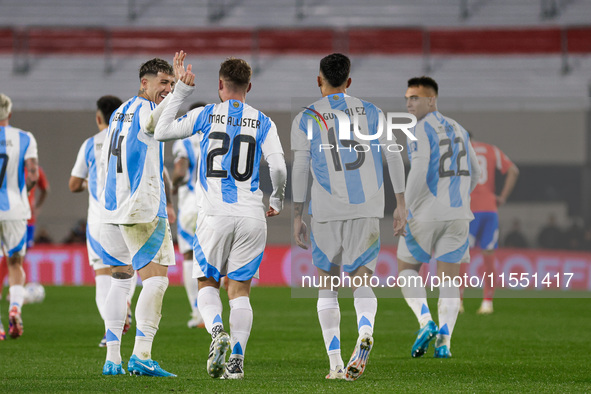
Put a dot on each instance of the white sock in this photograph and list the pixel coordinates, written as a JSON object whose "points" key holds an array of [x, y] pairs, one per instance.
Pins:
{"points": [[240, 325], [366, 306], [103, 284], [17, 296], [115, 310], [210, 307], [415, 295], [132, 288], [448, 309], [148, 314], [191, 286], [329, 316]]}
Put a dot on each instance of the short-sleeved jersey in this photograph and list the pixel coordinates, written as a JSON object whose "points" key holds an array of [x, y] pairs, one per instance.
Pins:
{"points": [[234, 138], [348, 180], [133, 184], [490, 159], [42, 184], [443, 149], [16, 146], [189, 149], [87, 167]]}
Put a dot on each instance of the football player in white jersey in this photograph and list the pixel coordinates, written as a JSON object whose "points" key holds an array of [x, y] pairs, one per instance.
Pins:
{"points": [[231, 226], [186, 154], [443, 172], [135, 233], [18, 150], [347, 201], [84, 177]]}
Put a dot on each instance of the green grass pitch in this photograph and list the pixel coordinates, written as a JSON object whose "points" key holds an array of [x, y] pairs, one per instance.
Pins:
{"points": [[526, 345]]}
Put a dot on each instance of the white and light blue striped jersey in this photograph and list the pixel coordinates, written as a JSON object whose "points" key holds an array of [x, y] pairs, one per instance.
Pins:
{"points": [[86, 167], [189, 149], [132, 163], [441, 164], [235, 136], [347, 174], [16, 146]]}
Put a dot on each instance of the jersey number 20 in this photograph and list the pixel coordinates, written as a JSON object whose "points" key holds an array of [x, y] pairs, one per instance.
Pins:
{"points": [[236, 145]]}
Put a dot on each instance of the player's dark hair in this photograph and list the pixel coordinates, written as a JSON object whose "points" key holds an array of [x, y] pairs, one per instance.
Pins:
{"points": [[237, 72], [424, 81], [335, 68], [154, 66], [107, 105], [198, 104]]}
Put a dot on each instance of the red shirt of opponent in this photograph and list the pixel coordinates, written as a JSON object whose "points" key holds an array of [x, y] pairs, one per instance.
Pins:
{"points": [[490, 158]]}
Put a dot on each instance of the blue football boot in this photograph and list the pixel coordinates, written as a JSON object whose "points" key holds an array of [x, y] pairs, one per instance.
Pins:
{"points": [[111, 368], [442, 352], [146, 367], [426, 334]]}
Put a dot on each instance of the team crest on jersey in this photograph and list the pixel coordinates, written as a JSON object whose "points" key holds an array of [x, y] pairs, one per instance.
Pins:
{"points": [[335, 97], [235, 104]]}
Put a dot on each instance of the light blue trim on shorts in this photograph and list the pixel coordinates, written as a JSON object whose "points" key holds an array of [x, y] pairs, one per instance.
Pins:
{"points": [[319, 259], [248, 270], [207, 269], [18, 247], [414, 248], [367, 257], [151, 247], [456, 255]]}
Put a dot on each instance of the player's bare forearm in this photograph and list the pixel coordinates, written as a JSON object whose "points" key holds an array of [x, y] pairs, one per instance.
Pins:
{"points": [[77, 185], [400, 215], [181, 167], [510, 181], [300, 232]]}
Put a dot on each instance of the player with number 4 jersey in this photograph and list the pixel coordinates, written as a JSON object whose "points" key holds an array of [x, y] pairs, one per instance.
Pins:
{"points": [[231, 227], [443, 172]]}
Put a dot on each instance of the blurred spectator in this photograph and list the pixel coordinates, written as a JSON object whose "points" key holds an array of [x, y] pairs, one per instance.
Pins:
{"points": [[43, 237], [77, 233], [515, 238], [551, 237], [574, 236]]}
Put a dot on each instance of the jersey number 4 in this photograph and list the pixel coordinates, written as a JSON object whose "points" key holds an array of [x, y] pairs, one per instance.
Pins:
{"points": [[448, 155], [236, 145], [115, 149]]}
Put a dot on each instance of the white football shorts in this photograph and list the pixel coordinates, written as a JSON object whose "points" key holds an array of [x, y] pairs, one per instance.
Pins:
{"points": [[137, 244], [228, 245], [93, 246], [348, 243], [447, 241], [13, 235]]}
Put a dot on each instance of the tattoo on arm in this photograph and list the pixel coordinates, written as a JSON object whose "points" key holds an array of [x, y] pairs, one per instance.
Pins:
{"points": [[298, 209]]}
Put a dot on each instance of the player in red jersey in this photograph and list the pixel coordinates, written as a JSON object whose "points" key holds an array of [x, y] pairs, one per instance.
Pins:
{"points": [[484, 229]]}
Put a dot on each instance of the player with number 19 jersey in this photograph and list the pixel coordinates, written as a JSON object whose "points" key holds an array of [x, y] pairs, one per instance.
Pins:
{"points": [[348, 182], [133, 185]]}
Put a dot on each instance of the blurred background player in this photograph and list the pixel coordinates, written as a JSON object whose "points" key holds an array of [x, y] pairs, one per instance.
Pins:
{"points": [[347, 203], [18, 150], [484, 229], [443, 171], [37, 196], [135, 233], [186, 154], [84, 177], [231, 228]]}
